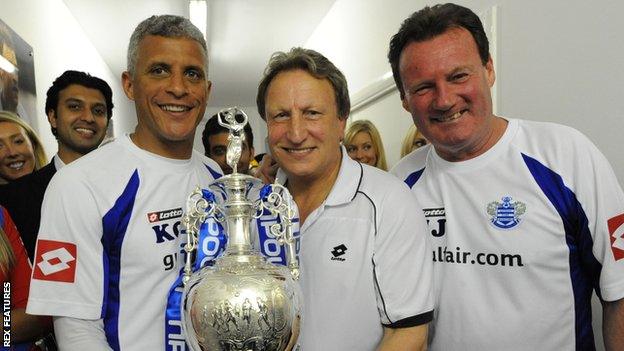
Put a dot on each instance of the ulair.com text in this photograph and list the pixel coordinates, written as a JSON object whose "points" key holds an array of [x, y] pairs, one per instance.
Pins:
{"points": [[442, 254]]}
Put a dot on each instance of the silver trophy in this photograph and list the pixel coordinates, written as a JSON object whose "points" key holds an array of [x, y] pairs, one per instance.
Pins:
{"points": [[241, 302]]}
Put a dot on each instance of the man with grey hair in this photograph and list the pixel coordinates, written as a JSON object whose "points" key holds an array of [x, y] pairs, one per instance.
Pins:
{"points": [[365, 259], [108, 241]]}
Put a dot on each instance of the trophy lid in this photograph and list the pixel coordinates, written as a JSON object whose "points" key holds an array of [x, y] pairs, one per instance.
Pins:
{"points": [[228, 118]]}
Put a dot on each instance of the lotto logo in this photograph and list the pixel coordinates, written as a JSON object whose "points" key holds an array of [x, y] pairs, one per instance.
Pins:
{"points": [[162, 215], [55, 261], [616, 234]]}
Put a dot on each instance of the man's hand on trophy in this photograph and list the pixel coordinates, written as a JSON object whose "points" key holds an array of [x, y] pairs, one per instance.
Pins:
{"points": [[267, 170]]}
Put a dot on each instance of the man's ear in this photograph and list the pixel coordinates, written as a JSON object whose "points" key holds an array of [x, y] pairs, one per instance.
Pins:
{"points": [[127, 84], [491, 74], [342, 125], [52, 118], [208, 89], [405, 104]]}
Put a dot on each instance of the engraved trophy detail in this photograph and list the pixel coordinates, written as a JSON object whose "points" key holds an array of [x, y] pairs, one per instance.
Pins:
{"points": [[241, 302]]}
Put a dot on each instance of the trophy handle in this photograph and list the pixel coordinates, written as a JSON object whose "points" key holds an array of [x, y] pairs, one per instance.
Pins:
{"points": [[199, 205], [276, 198]]}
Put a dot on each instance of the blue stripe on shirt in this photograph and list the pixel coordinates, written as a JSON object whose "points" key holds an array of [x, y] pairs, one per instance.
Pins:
{"points": [[584, 268], [115, 224], [413, 178], [215, 174]]}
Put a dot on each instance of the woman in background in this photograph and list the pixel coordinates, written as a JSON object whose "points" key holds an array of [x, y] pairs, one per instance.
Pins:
{"points": [[363, 144], [15, 269], [21, 151], [412, 141]]}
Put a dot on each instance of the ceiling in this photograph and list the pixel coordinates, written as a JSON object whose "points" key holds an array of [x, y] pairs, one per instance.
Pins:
{"points": [[241, 35]]}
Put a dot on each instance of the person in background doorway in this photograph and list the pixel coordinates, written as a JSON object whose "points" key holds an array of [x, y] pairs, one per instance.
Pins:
{"points": [[21, 151], [412, 141], [363, 143]]}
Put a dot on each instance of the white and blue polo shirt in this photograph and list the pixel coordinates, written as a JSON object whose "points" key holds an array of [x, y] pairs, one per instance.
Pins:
{"points": [[521, 236]]}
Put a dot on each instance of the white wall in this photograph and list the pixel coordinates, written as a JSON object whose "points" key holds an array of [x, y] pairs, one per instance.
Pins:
{"points": [[59, 44]]}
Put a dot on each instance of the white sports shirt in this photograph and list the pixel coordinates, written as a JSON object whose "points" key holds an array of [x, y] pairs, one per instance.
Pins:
{"points": [[365, 262], [521, 236], [109, 240]]}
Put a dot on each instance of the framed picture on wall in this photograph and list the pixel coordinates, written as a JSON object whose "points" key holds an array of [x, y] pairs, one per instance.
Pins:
{"points": [[17, 76]]}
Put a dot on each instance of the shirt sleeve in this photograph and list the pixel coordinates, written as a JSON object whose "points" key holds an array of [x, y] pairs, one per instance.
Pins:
{"points": [[20, 274], [402, 261], [78, 334], [602, 201], [69, 270]]}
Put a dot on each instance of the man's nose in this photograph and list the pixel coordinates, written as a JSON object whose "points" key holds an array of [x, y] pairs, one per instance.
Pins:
{"points": [[297, 131], [177, 85], [443, 99], [88, 116]]}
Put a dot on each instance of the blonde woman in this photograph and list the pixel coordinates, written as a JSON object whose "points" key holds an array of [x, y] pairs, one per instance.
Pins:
{"points": [[412, 141], [21, 151], [363, 144]]}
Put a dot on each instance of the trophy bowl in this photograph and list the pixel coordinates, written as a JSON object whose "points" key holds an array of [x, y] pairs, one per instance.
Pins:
{"points": [[246, 304]]}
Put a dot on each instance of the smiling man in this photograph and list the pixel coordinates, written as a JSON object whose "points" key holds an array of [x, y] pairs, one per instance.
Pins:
{"points": [[79, 107], [525, 217], [365, 258], [109, 237]]}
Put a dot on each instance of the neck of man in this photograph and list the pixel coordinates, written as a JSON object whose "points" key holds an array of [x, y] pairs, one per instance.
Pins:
{"points": [[493, 135], [68, 155], [310, 192], [178, 150]]}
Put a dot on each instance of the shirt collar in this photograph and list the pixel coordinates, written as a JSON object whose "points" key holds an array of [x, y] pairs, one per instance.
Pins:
{"points": [[58, 163]]}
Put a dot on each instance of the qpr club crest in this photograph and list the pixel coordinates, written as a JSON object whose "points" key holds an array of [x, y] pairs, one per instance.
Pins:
{"points": [[505, 215]]}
